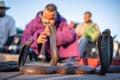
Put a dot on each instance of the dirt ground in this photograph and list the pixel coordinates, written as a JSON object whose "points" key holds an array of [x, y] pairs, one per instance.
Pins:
{"points": [[19, 76]]}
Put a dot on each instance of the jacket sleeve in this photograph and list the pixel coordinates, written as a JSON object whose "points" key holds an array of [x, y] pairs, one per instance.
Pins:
{"points": [[31, 32], [65, 35]]}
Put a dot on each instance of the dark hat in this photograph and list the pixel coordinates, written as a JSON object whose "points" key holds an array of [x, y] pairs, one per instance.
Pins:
{"points": [[2, 5]]}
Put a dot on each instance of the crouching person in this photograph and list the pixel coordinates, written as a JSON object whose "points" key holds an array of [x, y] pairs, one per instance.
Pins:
{"points": [[66, 38]]}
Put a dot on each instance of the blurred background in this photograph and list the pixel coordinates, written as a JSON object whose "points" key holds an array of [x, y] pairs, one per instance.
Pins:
{"points": [[106, 13]]}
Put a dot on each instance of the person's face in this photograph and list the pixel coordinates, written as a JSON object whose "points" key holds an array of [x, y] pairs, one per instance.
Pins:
{"points": [[2, 11], [87, 18], [49, 17], [72, 24]]}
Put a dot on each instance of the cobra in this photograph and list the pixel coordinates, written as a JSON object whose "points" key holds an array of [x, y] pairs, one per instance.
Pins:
{"points": [[53, 49], [105, 48]]}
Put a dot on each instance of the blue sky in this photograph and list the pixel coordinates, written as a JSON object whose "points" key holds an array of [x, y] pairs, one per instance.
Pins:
{"points": [[106, 13]]}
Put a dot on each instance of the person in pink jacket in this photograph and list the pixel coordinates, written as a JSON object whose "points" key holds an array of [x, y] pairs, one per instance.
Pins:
{"points": [[66, 38]]}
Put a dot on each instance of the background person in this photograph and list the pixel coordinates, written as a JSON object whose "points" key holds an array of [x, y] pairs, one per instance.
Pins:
{"points": [[80, 30], [7, 28]]}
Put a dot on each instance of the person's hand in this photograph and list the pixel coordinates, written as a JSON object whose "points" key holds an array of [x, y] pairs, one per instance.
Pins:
{"points": [[42, 38]]}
